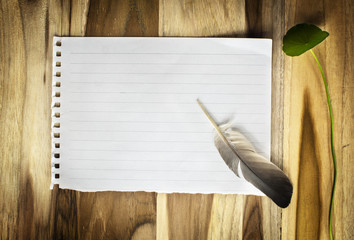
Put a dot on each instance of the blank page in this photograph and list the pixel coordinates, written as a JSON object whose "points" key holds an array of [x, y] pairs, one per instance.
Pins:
{"points": [[125, 116]]}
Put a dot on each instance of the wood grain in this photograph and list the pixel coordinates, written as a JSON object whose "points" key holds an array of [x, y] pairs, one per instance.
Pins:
{"points": [[99, 214], [300, 129], [32, 211], [307, 130]]}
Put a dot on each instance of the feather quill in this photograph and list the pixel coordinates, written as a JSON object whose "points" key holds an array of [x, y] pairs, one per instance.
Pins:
{"points": [[241, 157]]}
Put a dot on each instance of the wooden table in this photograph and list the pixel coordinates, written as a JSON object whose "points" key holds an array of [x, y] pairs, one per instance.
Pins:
{"points": [[300, 123]]}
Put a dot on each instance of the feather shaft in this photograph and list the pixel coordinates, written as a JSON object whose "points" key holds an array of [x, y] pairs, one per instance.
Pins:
{"points": [[217, 128]]}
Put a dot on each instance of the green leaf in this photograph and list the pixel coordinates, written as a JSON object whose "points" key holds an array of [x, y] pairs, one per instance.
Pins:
{"points": [[301, 38]]}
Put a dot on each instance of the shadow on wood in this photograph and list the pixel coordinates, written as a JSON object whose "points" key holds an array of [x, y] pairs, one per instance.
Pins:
{"points": [[308, 212]]}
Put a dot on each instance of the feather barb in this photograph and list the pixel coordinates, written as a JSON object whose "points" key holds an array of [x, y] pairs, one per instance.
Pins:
{"points": [[241, 157]]}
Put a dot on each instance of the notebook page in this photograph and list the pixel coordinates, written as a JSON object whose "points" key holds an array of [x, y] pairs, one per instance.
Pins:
{"points": [[128, 115]]}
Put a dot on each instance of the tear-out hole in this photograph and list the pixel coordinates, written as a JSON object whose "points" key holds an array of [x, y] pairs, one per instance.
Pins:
{"points": [[57, 145], [56, 125], [58, 43], [57, 104], [58, 74], [57, 165], [57, 155], [57, 135], [58, 64], [57, 94], [58, 84], [57, 175], [57, 115], [58, 54]]}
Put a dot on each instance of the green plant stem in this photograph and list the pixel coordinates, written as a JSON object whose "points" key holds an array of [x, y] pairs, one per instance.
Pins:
{"points": [[332, 145]]}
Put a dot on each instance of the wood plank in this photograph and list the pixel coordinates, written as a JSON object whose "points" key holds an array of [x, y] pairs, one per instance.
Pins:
{"points": [[188, 215], [339, 70], [134, 18], [134, 213], [26, 104], [258, 217], [202, 18], [12, 97], [64, 210], [226, 221], [307, 129], [30, 209]]}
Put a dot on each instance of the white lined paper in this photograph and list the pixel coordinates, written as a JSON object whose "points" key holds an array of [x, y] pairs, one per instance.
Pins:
{"points": [[129, 120]]}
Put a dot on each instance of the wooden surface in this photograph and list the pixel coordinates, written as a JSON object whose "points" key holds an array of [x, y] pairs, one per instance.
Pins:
{"points": [[300, 129]]}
